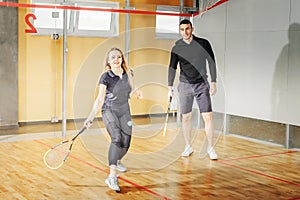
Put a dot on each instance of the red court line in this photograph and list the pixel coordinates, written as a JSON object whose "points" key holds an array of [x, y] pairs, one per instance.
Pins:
{"points": [[107, 172], [211, 7], [296, 198], [22, 5], [121, 178], [217, 4], [225, 162], [262, 174], [259, 156], [10, 4]]}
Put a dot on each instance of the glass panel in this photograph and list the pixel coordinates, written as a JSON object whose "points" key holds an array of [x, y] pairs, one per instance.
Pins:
{"points": [[48, 18], [167, 24], [91, 20], [80, 22]]}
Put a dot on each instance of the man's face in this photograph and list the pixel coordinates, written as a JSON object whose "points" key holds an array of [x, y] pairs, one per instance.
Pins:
{"points": [[186, 31]]}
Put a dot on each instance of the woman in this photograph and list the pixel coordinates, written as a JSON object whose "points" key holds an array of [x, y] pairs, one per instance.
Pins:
{"points": [[115, 87]]}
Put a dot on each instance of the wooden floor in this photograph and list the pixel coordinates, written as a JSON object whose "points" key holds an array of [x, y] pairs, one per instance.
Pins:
{"points": [[245, 169]]}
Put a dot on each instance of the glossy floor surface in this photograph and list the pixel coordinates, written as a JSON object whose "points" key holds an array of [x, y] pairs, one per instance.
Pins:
{"points": [[245, 169]]}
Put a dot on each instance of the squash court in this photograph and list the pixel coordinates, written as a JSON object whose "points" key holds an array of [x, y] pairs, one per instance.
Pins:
{"points": [[50, 68]]}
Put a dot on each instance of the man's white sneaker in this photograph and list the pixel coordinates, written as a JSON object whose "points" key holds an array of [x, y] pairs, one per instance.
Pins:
{"points": [[187, 151], [112, 182], [121, 167], [212, 154]]}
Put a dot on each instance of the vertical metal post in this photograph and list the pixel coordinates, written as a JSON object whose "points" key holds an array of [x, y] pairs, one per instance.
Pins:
{"points": [[127, 32], [181, 9], [64, 83], [199, 120], [226, 123], [196, 4], [289, 136]]}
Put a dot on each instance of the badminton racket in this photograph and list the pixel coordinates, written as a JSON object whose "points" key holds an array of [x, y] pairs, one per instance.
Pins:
{"points": [[167, 117], [56, 156]]}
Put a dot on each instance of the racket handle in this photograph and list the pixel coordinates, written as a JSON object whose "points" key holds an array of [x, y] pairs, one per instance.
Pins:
{"points": [[82, 129], [79, 132], [167, 117]]}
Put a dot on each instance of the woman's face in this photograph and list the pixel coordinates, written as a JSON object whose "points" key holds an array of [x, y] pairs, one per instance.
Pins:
{"points": [[115, 59]]}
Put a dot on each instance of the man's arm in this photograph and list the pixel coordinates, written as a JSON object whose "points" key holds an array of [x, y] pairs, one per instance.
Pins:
{"points": [[211, 63], [212, 69], [172, 73], [172, 68]]}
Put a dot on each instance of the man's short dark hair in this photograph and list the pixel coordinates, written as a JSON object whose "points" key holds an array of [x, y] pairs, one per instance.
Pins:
{"points": [[186, 21]]}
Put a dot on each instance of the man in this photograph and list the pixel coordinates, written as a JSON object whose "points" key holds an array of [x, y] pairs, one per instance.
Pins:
{"points": [[193, 53]]}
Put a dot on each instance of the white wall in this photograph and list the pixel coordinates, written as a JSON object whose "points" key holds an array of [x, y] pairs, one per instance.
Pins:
{"points": [[257, 46], [212, 26]]}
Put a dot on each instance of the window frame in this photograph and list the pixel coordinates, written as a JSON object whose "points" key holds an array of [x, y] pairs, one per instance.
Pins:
{"points": [[168, 35], [73, 18], [114, 21]]}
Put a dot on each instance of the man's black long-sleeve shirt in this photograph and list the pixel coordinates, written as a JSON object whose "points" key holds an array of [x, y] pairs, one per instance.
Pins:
{"points": [[192, 59]]}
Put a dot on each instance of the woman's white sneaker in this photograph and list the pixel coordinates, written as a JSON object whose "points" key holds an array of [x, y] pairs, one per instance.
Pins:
{"points": [[112, 182], [121, 167]]}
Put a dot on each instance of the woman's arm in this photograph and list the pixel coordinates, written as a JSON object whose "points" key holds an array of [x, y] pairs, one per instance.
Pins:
{"points": [[135, 91], [97, 106]]}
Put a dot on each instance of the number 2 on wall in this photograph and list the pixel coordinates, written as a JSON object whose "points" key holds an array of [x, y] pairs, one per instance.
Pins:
{"points": [[31, 28]]}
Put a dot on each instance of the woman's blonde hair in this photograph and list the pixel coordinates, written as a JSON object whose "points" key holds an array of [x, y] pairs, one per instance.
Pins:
{"points": [[123, 64]]}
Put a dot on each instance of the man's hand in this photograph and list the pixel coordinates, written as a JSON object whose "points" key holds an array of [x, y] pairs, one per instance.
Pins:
{"points": [[88, 123], [213, 88], [170, 92]]}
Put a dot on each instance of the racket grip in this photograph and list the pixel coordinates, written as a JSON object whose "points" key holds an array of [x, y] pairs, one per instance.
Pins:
{"points": [[82, 129]]}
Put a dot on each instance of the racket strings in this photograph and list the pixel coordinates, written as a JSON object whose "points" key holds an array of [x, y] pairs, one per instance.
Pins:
{"points": [[55, 157]]}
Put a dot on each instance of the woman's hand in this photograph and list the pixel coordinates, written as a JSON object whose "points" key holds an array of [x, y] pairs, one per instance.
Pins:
{"points": [[139, 94]]}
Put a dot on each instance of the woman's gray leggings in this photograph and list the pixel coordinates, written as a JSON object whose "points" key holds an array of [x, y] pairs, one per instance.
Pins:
{"points": [[119, 126]]}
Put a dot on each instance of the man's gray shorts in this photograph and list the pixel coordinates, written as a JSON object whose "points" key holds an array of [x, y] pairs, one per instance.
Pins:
{"points": [[200, 91]]}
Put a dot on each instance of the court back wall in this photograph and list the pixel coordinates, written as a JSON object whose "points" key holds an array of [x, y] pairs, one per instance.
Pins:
{"points": [[257, 45], [40, 68]]}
